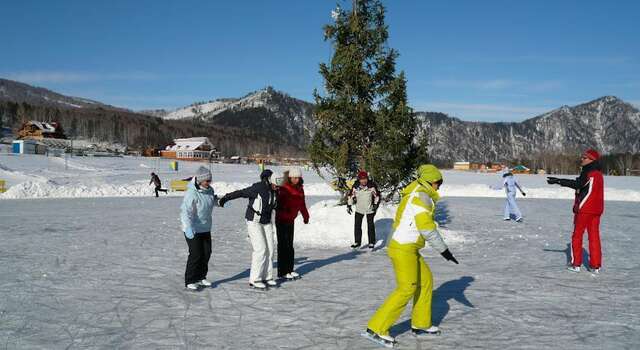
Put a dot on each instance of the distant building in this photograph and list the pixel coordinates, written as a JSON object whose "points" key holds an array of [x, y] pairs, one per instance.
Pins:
{"points": [[462, 166], [194, 148], [36, 130]]}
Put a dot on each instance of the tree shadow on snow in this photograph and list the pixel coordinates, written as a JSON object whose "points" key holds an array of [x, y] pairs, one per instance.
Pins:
{"points": [[453, 289], [567, 252], [383, 232], [443, 215]]}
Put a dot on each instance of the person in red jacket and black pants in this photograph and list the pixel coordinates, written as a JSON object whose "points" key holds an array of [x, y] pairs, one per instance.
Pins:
{"points": [[588, 207], [291, 201]]}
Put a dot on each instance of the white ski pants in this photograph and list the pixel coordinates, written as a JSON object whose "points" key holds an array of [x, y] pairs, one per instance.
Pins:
{"points": [[262, 242], [510, 207]]}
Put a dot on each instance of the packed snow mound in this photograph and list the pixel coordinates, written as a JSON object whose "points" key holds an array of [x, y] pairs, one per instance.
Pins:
{"points": [[51, 189], [331, 227]]}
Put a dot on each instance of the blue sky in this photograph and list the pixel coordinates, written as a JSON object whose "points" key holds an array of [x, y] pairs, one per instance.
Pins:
{"points": [[477, 60]]}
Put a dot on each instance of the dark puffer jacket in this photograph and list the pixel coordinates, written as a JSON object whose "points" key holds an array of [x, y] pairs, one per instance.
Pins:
{"points": [[262, 199]]}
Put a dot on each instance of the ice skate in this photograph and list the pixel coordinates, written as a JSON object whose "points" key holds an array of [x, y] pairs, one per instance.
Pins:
{"points": [[258, 285], [271, 283], [423, 333], [383, 340], [205, 283], [193, 286]]}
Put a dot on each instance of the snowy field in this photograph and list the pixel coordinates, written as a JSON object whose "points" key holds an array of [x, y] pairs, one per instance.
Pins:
{"points": [[34, 176], [106, 271]]}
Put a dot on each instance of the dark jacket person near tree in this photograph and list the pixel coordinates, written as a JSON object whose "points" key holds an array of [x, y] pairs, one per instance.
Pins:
{"points": [[588, 207], [365, 196]]}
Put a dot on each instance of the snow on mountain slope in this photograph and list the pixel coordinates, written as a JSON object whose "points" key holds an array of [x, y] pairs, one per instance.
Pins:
{"points": [[208, 110]]}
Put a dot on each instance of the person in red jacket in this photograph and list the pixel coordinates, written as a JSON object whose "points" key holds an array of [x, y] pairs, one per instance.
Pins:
{"points": [[588, 208], [291, 201]]}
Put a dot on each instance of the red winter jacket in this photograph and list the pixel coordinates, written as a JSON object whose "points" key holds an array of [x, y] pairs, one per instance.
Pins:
{"points": [[290, 203], [589, 188]]}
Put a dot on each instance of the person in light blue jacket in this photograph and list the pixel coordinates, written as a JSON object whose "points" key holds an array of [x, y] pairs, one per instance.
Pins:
{"points": [[510, 207], [195, 215]]}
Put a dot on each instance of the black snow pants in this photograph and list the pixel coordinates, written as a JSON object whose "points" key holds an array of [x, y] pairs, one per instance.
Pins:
{"points": [[198, 260], [371, 228], [284, 232], [159, 189]]}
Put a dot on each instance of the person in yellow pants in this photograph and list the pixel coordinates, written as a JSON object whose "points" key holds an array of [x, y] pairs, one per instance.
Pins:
{"points": [[414, 225]]}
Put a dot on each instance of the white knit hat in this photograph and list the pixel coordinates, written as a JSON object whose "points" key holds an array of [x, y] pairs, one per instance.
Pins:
{"points": [[275, 179], [202, 174], [295, 172]]}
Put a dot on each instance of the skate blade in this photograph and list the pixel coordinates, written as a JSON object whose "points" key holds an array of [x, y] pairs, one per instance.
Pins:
{"points": [[426, 335], [379, 341]]}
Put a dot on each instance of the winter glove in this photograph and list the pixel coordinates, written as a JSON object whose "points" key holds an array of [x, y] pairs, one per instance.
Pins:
{"points": [[189, 233], [447, 255], [222, 201], [306, 220], [349, 210], [524, 194], [553, 180]]}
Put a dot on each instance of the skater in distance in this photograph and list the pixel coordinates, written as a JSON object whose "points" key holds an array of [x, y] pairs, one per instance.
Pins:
{"points": [[155, 179], [588, 207], [365, 196], [511, 207], [414, 225]]}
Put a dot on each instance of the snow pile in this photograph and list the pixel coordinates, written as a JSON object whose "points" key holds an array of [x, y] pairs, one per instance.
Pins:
{"points": [[40, 188], [331, 227]]}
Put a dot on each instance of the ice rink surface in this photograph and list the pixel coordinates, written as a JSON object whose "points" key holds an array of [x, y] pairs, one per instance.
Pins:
{"points": [[106, 273]]}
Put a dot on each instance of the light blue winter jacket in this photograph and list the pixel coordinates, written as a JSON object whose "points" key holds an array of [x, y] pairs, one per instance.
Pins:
{"points": [[195, 212]]}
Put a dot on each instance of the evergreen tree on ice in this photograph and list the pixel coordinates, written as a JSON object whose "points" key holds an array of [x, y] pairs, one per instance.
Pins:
{"points": [[362, 119]]}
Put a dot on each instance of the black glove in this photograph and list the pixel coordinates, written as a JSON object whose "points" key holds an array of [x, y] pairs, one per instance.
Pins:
{"points": [[447, 255], [553, 180], [222, 201], [349, 210], [524, 194]]}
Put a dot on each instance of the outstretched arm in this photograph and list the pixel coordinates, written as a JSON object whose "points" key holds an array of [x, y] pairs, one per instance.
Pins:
{"points": [[564, 182]]}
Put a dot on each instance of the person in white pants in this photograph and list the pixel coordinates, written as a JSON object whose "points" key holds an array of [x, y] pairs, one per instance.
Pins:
{"points": [[260, 222], [511, 207], [262, 242]]}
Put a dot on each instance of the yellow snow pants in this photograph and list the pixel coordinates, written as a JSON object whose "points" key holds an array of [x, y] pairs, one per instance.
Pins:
{"points": [[413, 280]]}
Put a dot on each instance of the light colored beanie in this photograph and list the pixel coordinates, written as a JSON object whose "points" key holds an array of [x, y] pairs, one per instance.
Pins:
{"points": [[202, 174], [295, 172]]}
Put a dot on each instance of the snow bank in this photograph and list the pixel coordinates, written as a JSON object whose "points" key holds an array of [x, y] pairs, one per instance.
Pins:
{"points": [[50, 189], [331, 227]]}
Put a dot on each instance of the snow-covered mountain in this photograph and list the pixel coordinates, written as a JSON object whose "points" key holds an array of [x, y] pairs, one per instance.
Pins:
{"points": [[267, 112], [13, 91], [608, 124]]}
